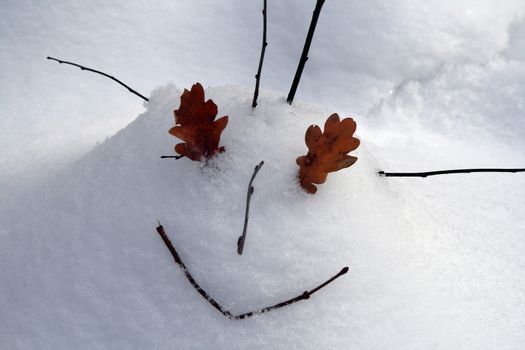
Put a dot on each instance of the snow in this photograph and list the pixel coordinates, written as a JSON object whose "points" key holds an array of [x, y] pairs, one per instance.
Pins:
{"points": [[360, 52], [434, 263]]}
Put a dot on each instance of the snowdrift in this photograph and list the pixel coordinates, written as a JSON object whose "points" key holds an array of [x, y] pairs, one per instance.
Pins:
{"points": [[434, 263]]}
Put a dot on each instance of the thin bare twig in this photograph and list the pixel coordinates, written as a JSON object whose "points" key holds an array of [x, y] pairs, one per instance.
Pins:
{"points": [[242, 238], [261, 59], [174, 157], [453, 171], [101, 73], [304, 55], [195, 285], [305, 295]]}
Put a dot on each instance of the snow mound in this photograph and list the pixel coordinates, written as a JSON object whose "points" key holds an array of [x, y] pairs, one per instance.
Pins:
{"points": [[434, 263]]}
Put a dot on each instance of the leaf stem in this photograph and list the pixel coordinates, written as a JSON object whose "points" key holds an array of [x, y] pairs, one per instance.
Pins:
{"points": [[174, 157]]}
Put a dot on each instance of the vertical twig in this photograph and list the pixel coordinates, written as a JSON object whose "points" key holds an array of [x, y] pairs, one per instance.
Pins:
{"points": [[261, 59], [242, 238], [304, 55]]}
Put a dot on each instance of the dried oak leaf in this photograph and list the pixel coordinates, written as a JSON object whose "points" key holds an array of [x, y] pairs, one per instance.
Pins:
{"points": [[327, 152], [195, 124]]}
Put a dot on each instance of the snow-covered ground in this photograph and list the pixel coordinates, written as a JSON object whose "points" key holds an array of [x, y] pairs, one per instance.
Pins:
{"points": [[434, 263]]}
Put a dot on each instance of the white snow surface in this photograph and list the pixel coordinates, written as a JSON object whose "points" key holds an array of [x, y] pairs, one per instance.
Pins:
{"points": [[362, 50], [435, 263]]}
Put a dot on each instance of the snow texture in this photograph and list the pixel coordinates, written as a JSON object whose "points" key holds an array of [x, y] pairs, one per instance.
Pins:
{"points": [[51, 113], [435, 263]]}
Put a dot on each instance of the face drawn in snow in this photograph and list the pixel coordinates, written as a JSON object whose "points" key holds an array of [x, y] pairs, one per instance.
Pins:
{"points": [[327, 152]]}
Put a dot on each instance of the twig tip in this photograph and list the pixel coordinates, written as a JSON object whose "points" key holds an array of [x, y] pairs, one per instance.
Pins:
{"points": [[174, 157]]}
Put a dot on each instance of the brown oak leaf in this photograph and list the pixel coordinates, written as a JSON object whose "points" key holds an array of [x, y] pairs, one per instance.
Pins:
{"points": [[327, 152], [195, 124]]}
